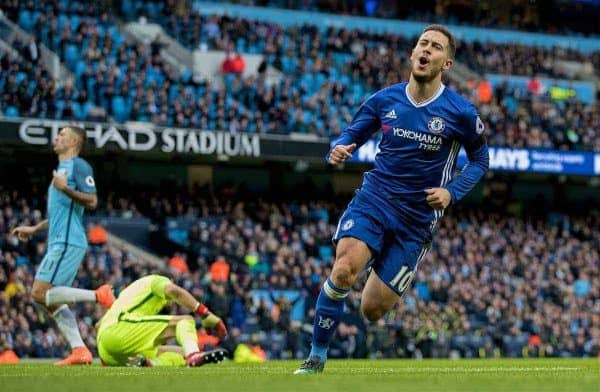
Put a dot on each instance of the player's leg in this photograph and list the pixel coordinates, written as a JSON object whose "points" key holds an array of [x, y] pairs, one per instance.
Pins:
{"points": [[359, 235], [183, 329], [131, 336], [66, 323], [391, 275], [38, 293], [62, 277], [59, 267], [170, 348], [169, 355], [168, 358], [103, 295], [352, 255], [377, 298], [45, 272]]}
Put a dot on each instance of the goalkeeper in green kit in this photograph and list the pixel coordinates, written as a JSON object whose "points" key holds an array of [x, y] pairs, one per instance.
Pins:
{"points": [[132, 333]]}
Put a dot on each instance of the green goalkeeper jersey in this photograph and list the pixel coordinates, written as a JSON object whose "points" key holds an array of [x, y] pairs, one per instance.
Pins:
{"points": [[144, 297]]}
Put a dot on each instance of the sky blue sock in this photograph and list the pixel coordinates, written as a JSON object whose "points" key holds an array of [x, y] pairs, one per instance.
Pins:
{"points": [[330, 306]]}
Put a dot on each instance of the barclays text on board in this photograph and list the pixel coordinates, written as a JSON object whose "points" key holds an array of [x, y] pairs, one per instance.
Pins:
{"points": [[518, 160]]}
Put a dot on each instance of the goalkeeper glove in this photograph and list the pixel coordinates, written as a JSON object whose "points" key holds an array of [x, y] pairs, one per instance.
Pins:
{"points": [[210, 320]]}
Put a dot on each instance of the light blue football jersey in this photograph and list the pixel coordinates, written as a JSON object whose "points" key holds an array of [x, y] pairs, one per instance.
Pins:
{"points": [[65, 216]]}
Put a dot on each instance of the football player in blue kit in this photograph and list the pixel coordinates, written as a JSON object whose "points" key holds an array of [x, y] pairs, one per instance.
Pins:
{"points": [[388, 225], [72, 190]]}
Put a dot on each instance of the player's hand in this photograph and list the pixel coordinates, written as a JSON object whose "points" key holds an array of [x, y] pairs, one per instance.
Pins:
{"points": [[220, 329], [23, 232], [213, 321], [59, 181], [340, 153], [438, 198]]}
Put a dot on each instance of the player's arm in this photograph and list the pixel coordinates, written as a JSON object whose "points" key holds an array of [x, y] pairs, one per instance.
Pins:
{"points": [[24, 232], [364, 124], [88, 200], [475, 145], [182, 297], [85, 186]]}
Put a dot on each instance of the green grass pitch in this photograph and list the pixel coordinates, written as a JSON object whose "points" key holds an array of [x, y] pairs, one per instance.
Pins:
{"points": [[347, 376]]}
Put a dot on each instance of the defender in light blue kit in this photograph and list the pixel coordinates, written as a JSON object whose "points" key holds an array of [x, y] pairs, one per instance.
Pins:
{"points": [[67, 241], [71, 191]]}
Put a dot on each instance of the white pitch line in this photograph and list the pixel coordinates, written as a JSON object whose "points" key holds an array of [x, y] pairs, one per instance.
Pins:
{"points": [[463, 370]]}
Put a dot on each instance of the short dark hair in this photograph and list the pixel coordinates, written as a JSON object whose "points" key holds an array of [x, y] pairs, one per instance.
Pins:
{"points": [[444, 30], [80, 132]]}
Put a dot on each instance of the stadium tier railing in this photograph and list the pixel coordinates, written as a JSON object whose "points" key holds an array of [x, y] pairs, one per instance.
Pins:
{"points": [[406, 28], [172, 51]]}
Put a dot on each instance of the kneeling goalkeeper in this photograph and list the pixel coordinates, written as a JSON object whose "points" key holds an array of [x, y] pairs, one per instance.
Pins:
{"points": [[133, 333]]}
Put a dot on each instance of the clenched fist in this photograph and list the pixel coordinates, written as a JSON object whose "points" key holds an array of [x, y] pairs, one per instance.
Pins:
{"points": [[340, 153], [438, 198]]}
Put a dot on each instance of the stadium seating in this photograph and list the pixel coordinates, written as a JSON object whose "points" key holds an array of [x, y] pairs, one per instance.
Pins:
{"points": [[569, 18], [328, 73]]}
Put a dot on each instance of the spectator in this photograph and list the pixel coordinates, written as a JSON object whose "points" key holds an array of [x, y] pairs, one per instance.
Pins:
{"points": [[97, 234], [238, 64], [233, 64], [179, 263], [32, 53], [219, 270]]}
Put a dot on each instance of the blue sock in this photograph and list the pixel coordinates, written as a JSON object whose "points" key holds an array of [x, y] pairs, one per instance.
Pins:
{"points": [[330, 306]]}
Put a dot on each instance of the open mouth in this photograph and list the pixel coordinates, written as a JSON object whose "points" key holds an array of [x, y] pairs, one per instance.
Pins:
{"points": [[423, 61]]}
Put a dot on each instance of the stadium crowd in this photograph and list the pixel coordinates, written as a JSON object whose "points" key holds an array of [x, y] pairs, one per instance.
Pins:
{"points": [[573, 17], [494, 283], [327, 75]]}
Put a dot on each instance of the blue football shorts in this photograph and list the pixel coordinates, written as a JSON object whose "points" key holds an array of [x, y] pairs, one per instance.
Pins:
{"points": [[60, 264], [396, 246]]}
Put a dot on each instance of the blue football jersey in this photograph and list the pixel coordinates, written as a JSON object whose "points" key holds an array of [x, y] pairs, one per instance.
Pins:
{"points": [[65, 216], [418, 149]]}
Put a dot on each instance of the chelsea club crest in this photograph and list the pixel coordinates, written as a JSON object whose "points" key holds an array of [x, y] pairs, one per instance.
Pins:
{"points": [[436, 125], [348, 225]]}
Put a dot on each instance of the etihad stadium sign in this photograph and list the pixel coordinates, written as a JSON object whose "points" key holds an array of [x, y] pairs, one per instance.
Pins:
{"points": [[137, 137], [145, 137]]}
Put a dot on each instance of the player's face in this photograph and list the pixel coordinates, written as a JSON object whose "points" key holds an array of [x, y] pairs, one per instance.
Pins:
{"points": [[64, 140], [430, 56]]}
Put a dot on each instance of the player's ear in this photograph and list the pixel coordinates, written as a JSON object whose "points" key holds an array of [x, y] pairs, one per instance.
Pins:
{"points": [[447, 64]]}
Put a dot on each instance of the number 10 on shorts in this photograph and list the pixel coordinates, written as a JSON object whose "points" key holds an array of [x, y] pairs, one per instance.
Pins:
{"points": [[402, 279]]}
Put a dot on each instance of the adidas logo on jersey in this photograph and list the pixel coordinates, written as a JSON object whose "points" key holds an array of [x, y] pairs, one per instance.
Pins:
{"points": [[391, 114]]}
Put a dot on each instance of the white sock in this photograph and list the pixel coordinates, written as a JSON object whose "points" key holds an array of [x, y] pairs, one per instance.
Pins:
{"points": [[68, 326], [63, 295], [190, 347], [185, 334]]}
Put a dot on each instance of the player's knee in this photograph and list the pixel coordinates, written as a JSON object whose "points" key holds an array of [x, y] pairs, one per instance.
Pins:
{"points": [[186, 326], [187, 319], [184, 319], [343, 274], [38, 294], [371, 312]]}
